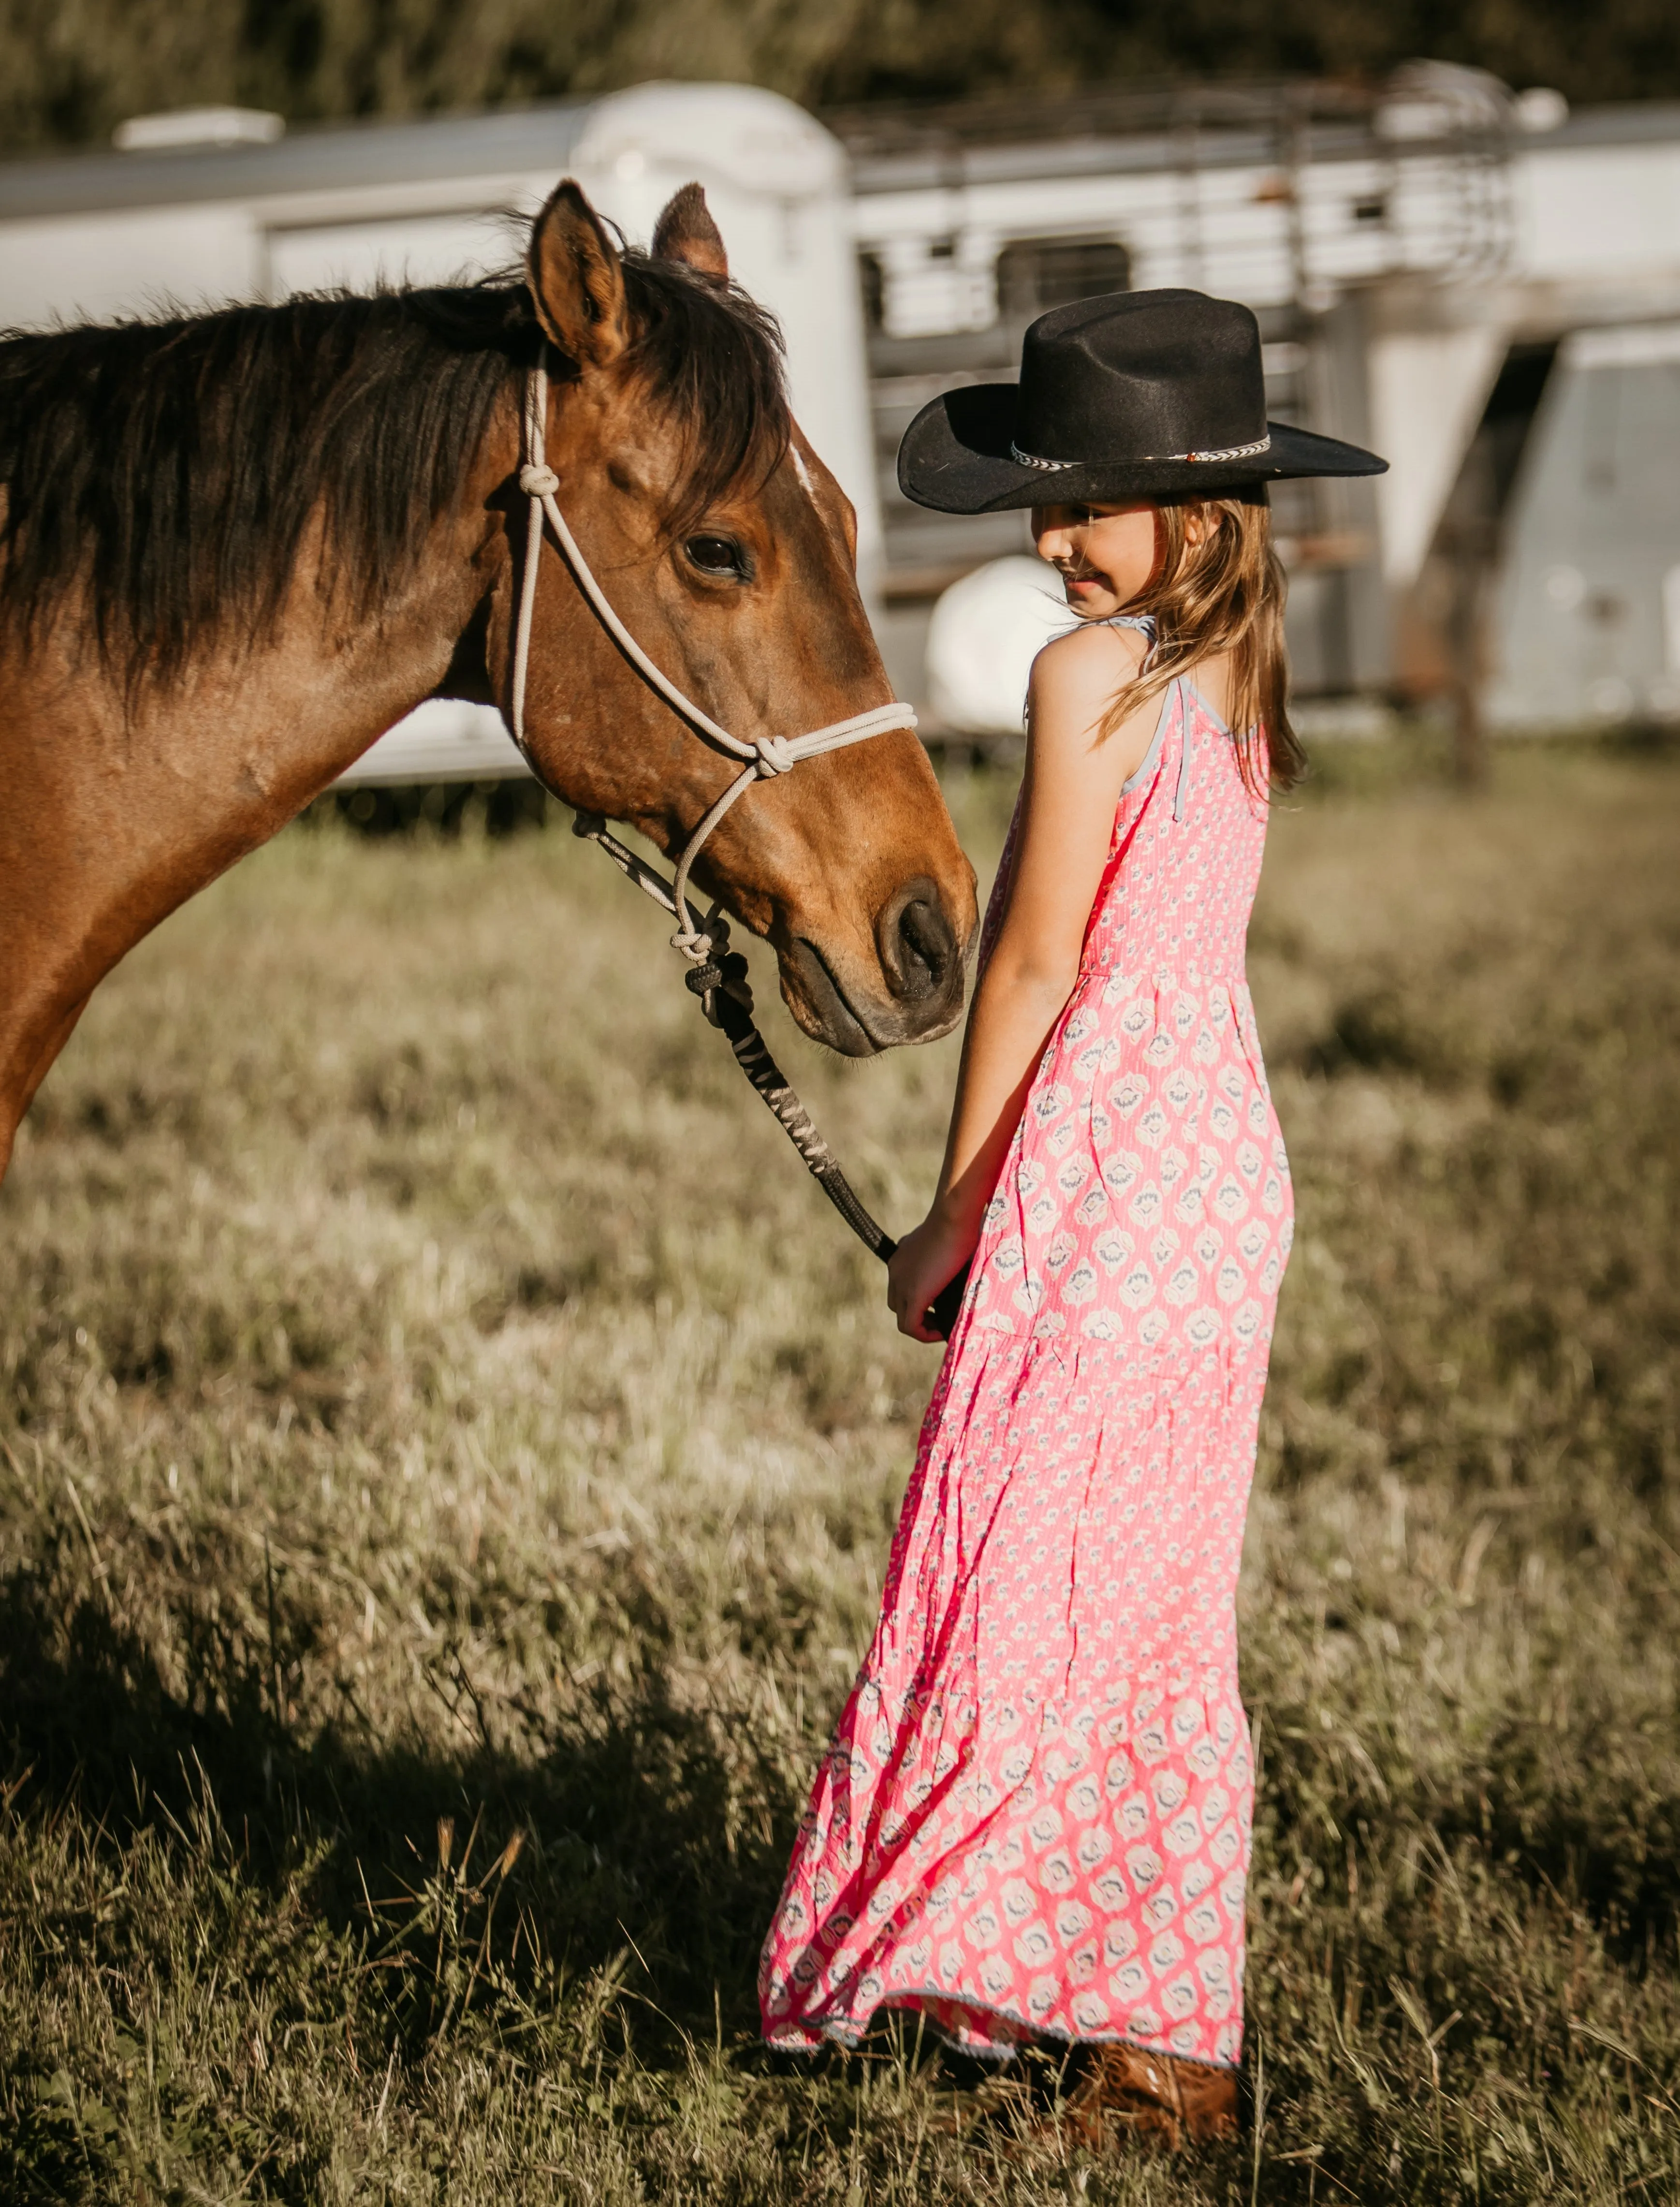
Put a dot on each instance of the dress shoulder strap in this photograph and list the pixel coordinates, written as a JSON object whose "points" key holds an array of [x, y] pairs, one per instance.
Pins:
{"points": [[1143, 622]]}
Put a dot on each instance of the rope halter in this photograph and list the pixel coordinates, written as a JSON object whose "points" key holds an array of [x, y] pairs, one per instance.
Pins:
{"points": [[716, 975], [762, 758]]}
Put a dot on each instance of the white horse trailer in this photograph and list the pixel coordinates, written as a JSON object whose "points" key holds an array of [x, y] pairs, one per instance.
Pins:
{"points": [[1479, 284], [190, 225]]}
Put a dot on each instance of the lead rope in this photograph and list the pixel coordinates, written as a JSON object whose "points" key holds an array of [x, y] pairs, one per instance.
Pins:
{"points": [[717, 975]]}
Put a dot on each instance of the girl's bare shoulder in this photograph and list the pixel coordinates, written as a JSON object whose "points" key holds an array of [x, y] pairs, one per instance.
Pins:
{"points": [[1095, 644], [1085, 667], [1078, 676]]}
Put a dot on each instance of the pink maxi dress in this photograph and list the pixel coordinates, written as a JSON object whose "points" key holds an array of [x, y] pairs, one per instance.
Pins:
{"points": [[1033, 1820]]}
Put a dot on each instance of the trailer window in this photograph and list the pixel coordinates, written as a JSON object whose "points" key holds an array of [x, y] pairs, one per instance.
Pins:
{"points": [[1037, 273]]}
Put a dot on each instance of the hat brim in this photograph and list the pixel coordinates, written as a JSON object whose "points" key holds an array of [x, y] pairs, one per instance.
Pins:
{"points": [[956, 458]]}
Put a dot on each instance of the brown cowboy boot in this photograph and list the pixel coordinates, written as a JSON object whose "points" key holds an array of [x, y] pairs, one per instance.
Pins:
{"points": [[1153, 2095]]}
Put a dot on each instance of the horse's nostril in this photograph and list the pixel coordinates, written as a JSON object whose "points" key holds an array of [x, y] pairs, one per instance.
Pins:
{"points": [[926, 941], [919, 950]]}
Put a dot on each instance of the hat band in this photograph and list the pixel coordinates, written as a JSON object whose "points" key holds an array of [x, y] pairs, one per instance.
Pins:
{"points": [[1032, 460], [1150, 459]]}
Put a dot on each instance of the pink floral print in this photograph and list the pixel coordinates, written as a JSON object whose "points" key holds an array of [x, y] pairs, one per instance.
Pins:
{"points": [[1034, 1816]]}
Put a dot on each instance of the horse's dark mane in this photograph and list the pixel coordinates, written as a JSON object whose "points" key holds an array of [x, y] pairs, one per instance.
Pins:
{"points": [[170, 468]]}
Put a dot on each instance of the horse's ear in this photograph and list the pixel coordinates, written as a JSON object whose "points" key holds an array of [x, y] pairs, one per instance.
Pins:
{"points": [[686, 232], [578, 280]]}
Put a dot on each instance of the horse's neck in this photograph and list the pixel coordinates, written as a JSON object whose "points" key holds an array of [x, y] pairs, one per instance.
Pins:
{"points": [[117, 809], [251, 737]]}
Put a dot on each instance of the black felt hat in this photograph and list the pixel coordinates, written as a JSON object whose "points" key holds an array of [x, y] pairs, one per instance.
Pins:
{"points": [[1141, 394]]}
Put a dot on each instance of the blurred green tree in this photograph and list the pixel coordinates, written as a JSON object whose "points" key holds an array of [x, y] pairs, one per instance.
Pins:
{"points": [[71, 70]]}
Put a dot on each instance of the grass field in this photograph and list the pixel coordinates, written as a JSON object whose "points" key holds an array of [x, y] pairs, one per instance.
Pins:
{"points": [[448, 1452]]}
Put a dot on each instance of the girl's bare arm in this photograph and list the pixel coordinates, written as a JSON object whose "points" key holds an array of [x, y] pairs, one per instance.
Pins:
{"points": [[1071, 787]]}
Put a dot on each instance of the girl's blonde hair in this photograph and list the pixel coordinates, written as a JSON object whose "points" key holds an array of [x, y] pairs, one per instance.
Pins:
{"points": [[1223, 594]]}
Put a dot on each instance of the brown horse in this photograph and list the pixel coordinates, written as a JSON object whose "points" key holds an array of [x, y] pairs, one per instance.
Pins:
{"points": [[235, 549]]}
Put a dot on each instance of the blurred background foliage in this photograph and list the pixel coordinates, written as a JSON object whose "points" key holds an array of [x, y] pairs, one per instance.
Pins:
{"points": [[71, 70]]}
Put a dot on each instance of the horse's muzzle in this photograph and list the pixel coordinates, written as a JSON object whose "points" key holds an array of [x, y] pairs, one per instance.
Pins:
{"points": [[920, 965]]}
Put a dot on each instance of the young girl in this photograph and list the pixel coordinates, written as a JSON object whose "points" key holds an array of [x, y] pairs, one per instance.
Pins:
{"points": [[1033, 1823]]}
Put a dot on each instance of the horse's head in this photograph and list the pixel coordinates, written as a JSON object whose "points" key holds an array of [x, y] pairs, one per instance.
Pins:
{"points": [[727, 550]]}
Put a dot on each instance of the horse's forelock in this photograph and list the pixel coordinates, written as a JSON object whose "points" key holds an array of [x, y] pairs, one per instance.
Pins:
{"points": [[710, 359]]}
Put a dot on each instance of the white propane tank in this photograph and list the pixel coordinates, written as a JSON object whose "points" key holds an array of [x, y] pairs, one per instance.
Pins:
{"points": [[986, 631]]}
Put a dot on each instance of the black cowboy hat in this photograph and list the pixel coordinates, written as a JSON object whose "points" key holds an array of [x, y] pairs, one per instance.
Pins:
{"points": [[1141, 394]]}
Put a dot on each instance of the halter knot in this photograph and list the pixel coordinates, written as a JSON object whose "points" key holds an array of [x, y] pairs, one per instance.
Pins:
{"points": [[694, 943], [538, 480], [775, 755]]}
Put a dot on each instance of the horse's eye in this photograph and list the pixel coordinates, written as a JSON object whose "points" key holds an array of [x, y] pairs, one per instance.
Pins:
{"points": [[716, 555]]}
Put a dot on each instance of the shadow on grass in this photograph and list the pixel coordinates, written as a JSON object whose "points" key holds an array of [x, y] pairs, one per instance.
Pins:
{"points": [[650, 1826], [651, 1836]]}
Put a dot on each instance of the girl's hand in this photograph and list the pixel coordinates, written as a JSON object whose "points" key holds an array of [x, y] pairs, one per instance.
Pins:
{"points": [[924, 1262]]}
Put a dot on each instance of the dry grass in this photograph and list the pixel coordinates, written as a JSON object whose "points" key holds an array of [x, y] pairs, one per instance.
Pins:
{"points": [[437, 1414]]}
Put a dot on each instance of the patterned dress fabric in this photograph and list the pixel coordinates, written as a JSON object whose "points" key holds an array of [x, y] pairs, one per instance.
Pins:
{"points": [[1033, 1820]]}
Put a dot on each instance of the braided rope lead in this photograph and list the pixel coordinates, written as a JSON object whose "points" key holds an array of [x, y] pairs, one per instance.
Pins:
{"points": [[753, 1056], [718, 976]]}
